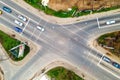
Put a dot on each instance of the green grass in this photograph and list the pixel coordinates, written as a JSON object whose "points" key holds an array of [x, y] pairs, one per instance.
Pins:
{"points": [[60, 73], [64, 14], [8, 42]]}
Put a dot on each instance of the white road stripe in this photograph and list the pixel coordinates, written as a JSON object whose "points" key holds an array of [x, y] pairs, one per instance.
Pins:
{"points": [[101, 59], [25, 26], [98, 23], [110, 72]]}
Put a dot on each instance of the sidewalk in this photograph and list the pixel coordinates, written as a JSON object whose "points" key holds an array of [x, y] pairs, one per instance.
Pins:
{"points": [[62, 21]]}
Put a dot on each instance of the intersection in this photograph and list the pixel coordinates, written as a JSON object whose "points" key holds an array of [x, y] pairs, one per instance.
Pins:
{"points": [[69, 42]]}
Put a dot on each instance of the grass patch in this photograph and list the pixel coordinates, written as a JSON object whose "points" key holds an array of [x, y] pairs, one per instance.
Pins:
{"points": [[8, 42], [60, 73]]}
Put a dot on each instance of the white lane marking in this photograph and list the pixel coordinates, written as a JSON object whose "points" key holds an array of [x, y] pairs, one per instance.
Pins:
{"points": [[25, 26], [98, 23], [100, 59], [33, 33], [110, 72], [17, 12], [81, 29], [7, 21]]}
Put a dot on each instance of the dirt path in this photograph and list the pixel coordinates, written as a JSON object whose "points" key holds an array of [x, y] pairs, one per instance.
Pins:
{"points": [[1, 74]]}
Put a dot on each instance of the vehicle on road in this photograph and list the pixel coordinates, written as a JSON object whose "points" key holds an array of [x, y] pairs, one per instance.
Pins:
{"points": [[116, 65], [22, 18], [18, 23], [110, 22], [40, 28], [106, 59], [0, 12], [17, 29], [7, 9]]}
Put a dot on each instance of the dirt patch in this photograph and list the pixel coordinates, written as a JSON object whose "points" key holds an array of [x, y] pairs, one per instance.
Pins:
{"points": [[82, 4], [1, 74]]}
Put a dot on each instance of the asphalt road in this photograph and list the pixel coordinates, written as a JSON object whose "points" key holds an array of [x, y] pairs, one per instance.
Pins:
{"points": [[68, 42]]}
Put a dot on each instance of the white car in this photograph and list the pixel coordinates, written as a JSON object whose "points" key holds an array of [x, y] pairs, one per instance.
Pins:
{"points": [[18, 23], [40, 28], [110, 22], [22, 18]]}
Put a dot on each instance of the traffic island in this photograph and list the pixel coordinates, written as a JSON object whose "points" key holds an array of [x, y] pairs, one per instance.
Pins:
{"points": [[60, 73], [13, 47], [110, 42], [14, 42], [57, 70]]}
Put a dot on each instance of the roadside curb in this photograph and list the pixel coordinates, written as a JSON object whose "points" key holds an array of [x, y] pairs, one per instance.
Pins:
{"points": [[62, 21], [65, 64]]}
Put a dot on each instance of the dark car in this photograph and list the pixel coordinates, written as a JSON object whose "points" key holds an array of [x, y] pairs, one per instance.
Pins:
{"points": [[106, 59], [7, 9], [18, 29], [116, 65]]}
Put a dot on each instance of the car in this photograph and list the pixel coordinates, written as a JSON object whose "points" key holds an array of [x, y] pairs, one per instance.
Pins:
{"points": [[0, 12], [106, 59], [18, 23], [116, 65], [40, 28], [7, 9], [110, 22], [22, 18], [17, 29]]}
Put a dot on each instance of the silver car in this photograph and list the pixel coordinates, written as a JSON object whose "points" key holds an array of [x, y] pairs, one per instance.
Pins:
{"points": [[106, 59], [40, 28], [18, 23], [22, 18]]}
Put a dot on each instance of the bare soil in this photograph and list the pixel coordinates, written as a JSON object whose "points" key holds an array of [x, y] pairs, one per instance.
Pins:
{"points": [[82, 4], [111, 40], [1, 74]]}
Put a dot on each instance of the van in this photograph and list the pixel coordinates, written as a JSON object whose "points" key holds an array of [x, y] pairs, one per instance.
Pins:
{"points": [[7, 9], [17, 29]]}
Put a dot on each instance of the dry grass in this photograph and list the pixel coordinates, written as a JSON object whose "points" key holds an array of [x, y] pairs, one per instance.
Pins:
{"points": [[82, 4]]}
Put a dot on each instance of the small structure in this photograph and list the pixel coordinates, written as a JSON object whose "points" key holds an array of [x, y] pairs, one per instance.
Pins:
{"points": [[69, 9], [45, 2], [18, 50], [108, 47]]}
